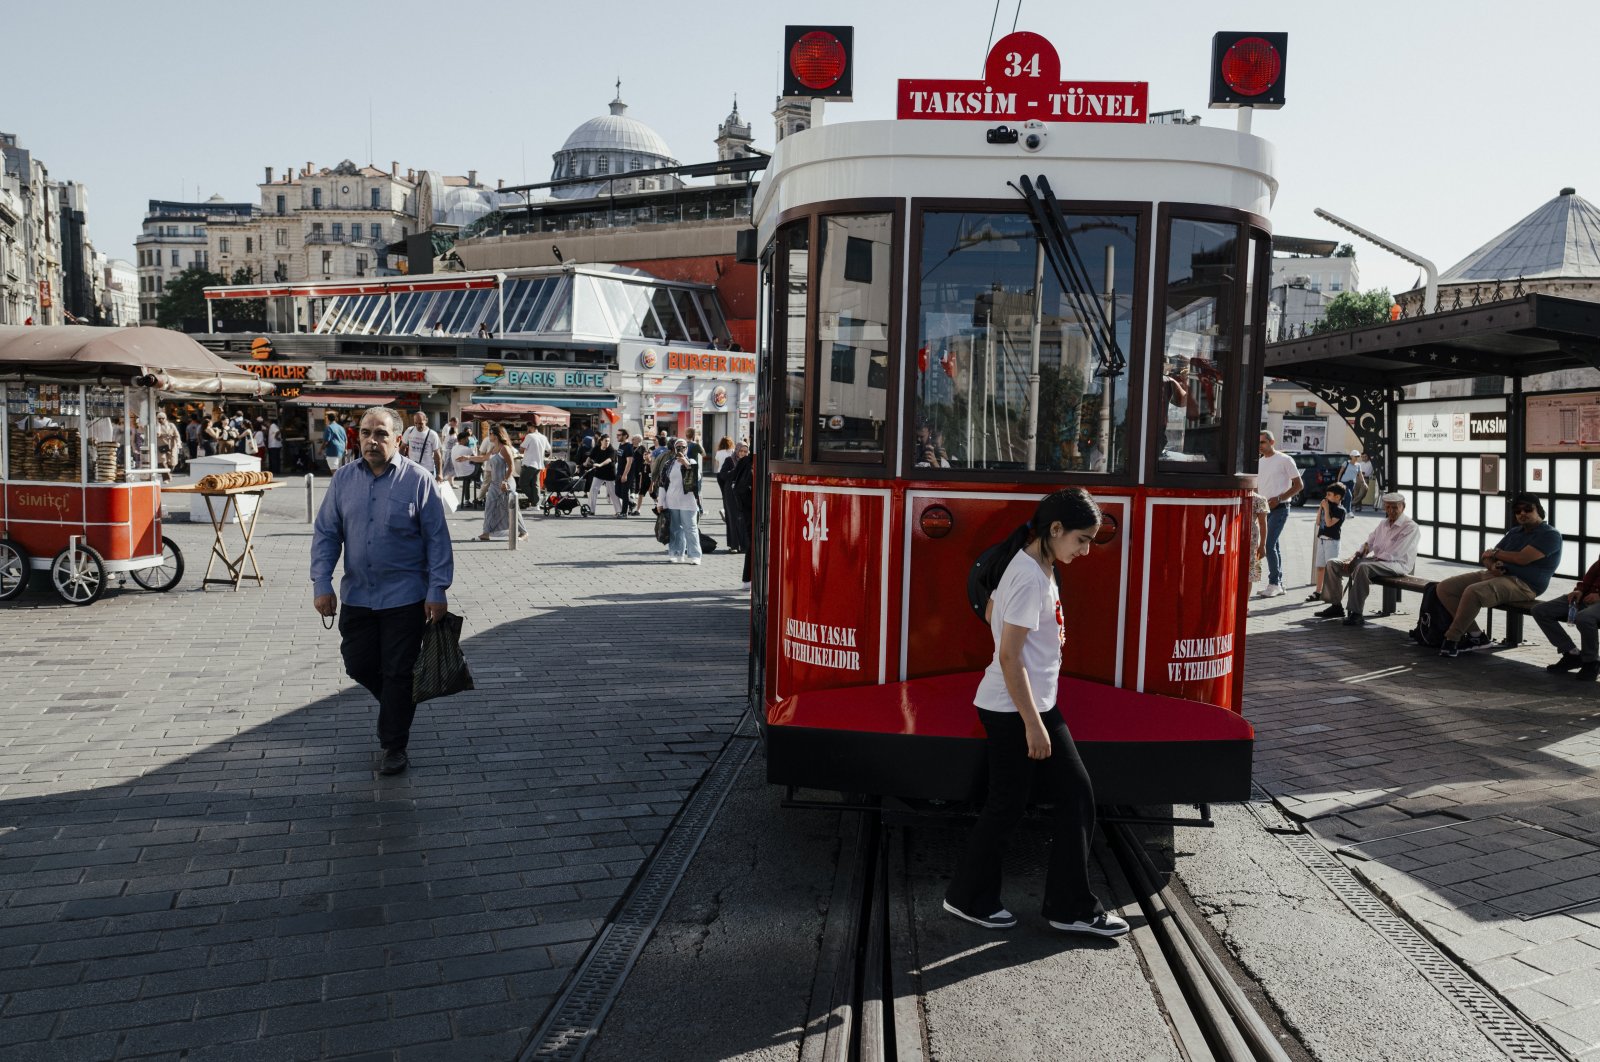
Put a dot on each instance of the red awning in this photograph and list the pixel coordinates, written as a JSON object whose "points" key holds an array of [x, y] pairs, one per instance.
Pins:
{"points": [[340, 400], [540, 414]]}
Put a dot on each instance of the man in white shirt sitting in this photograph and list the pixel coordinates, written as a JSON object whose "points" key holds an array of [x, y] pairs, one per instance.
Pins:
{"points": [[1391, 549]]}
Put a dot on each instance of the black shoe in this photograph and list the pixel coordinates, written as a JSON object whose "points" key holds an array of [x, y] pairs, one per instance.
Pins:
{"points": [[1001, 919], [1355, 621], [1331, 612], [393, 762], [1568, 662], [1313, 597], [1588, 672], [1451, 648]]}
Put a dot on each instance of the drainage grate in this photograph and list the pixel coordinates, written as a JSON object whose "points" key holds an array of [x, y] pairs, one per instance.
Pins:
{"points": [[1498, 1022], [576, 1016]]}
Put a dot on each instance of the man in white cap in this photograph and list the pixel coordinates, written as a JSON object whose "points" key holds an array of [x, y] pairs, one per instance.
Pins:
{"points": [[1350, 476], [1391, 549], [1278, 481]]}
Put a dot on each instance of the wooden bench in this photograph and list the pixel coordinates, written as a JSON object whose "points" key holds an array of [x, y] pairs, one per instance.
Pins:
{"points": [[1394, 585]]}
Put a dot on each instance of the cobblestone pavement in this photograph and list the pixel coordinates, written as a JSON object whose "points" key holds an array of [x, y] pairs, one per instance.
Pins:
{"points": [[198, 862], [1464, 789]]}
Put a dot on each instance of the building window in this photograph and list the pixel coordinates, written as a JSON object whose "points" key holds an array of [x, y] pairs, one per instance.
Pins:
{"points": [[283, 206], [174, 257], [858, 260], [338, 229], [283, 237], [636, 164], [376, 192], [377, 231], [316, 199], [602, 164], [316, 228], [327, 262], [159, 284], [202, 259], [361, 265], [222, 245], [249, 245], [1335, 285]]}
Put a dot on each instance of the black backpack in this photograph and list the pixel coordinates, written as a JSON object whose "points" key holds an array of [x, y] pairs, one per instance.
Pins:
{"points": [[1433, 619], [986, 572]]}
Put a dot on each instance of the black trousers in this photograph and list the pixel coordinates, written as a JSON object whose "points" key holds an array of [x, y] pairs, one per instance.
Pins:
{"points": [[380, 647], [275, 459], [1067, 895]]}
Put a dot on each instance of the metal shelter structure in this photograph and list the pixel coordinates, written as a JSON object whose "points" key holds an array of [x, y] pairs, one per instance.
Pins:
{"points": [[1360, 372]]}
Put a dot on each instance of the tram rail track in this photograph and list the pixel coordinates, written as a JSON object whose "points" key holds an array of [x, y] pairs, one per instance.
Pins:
{"points": [[865, 1014]]}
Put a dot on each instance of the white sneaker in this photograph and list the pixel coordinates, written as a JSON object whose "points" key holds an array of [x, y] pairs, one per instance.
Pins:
{"points": [[1101, 925], [1270, 590], [692, 560]]}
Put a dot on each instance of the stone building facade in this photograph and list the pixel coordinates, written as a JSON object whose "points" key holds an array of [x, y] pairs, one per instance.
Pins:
{"points": [[30, 238]]}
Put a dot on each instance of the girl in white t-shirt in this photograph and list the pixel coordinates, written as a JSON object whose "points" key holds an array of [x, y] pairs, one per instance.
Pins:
{"points": [[1016, 702]]}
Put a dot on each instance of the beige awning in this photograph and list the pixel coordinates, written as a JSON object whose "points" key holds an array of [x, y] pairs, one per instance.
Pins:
{"points": [[153, 357]]}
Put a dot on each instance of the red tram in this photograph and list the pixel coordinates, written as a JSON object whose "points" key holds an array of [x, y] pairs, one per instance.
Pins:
{"points": [[960, 317]]}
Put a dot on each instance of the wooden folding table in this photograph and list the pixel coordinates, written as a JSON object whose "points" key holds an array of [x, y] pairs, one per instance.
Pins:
{"points": [[229, 502]]}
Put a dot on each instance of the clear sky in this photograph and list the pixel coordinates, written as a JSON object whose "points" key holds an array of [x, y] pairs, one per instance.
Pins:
{"points": [[1435, 124]]}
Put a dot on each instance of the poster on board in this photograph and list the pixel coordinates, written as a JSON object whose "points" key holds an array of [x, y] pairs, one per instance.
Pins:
{"points": [[1567, 423]]}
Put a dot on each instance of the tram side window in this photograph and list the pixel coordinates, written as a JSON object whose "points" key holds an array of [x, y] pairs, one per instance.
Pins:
{"points": [[1199, 341], [793, 293], [974, 347], [853, 307]]}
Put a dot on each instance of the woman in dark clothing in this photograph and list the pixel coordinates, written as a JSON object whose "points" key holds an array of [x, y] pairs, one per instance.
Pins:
{"points": [[744, 488], [1016, 702], [603, 465]]}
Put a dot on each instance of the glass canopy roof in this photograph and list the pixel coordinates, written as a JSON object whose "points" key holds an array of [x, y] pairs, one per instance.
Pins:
{"points": [[587, 302]]}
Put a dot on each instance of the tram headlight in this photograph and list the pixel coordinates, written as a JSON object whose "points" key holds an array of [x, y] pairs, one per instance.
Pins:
{"points": [[1033, 136]]}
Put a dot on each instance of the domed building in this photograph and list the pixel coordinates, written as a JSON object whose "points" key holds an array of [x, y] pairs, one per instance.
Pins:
{"points": [[609, 145]]}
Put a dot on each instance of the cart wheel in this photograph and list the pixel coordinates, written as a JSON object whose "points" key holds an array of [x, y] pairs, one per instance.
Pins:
{"points": [[15, 568], [585, 510], [164, 576], [78, 575]]}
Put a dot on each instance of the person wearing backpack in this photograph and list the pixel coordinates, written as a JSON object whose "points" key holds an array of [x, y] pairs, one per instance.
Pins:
{"points": [[1391, 549], [1016, 702]]}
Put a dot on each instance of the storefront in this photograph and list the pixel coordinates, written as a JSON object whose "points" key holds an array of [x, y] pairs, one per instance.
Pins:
{"points": [[671, 389]]}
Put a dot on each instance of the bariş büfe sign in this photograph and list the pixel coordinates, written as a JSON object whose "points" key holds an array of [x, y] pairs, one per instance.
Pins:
{"points": [[1022, 82]]}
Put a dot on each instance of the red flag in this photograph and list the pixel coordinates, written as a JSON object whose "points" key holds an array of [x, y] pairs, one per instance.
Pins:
{"points": [[922, 359], [947, 361]]}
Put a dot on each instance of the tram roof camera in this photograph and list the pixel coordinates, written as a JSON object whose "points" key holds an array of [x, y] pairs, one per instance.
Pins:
{"points": [[1001, 134], [1033, 135]]}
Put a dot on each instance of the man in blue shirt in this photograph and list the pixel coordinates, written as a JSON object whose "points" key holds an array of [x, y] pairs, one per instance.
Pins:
{"points": [[333, 442], [1518, 569], [384, 513]]}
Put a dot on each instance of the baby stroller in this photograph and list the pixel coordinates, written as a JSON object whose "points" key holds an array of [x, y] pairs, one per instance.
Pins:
{"points": [[563, 490]]}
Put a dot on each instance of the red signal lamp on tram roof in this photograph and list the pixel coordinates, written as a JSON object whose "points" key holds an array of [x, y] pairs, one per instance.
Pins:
{"points": [[1247, 69], [817, 62]]}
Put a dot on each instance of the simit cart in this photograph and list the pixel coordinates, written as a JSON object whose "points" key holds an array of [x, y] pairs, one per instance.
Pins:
{"points": [[80, 486]]}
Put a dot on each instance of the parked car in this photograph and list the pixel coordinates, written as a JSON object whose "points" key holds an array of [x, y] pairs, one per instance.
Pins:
{"points": [[1318, 472]]}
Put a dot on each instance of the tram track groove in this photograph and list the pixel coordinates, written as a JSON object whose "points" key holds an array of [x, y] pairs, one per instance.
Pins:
{"points": [[865, 1016]]}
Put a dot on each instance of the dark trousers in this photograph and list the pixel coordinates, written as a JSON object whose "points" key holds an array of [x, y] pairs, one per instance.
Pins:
{"points": [[275, 459], [1067, 895], [380, 647]]}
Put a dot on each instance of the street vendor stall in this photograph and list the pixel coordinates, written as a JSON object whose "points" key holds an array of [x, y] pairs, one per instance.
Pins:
{"points": [[80, 481]]}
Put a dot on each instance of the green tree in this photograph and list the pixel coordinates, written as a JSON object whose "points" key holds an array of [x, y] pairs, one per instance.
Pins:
{"points": [[183, 300], [250, 311], [1353, 309], [1345, 251]]}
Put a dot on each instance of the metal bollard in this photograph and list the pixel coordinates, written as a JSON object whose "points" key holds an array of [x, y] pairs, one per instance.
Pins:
{"points": [[516, 518], [311, 512]]}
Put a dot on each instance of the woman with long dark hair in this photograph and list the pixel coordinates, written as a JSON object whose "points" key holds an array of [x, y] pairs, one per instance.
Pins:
{"points": [[1016, 702]]}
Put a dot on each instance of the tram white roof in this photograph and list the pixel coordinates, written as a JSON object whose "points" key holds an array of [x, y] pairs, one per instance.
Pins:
{"points": [[951, 159]]}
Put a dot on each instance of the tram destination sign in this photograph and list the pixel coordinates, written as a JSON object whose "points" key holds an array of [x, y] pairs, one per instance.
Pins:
{"points": [[1022, 82]]}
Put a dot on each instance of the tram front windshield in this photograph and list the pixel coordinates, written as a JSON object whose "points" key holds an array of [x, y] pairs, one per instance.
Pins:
{"points": [[975, 338]]}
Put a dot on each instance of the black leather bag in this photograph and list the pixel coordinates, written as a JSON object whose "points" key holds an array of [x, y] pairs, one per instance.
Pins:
{"points": [[663, 526]]}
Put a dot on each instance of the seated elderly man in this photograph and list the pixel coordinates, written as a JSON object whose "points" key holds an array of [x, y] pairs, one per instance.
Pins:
{"points": [[1516, 571], [1391, 549], [1581, 608]]}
